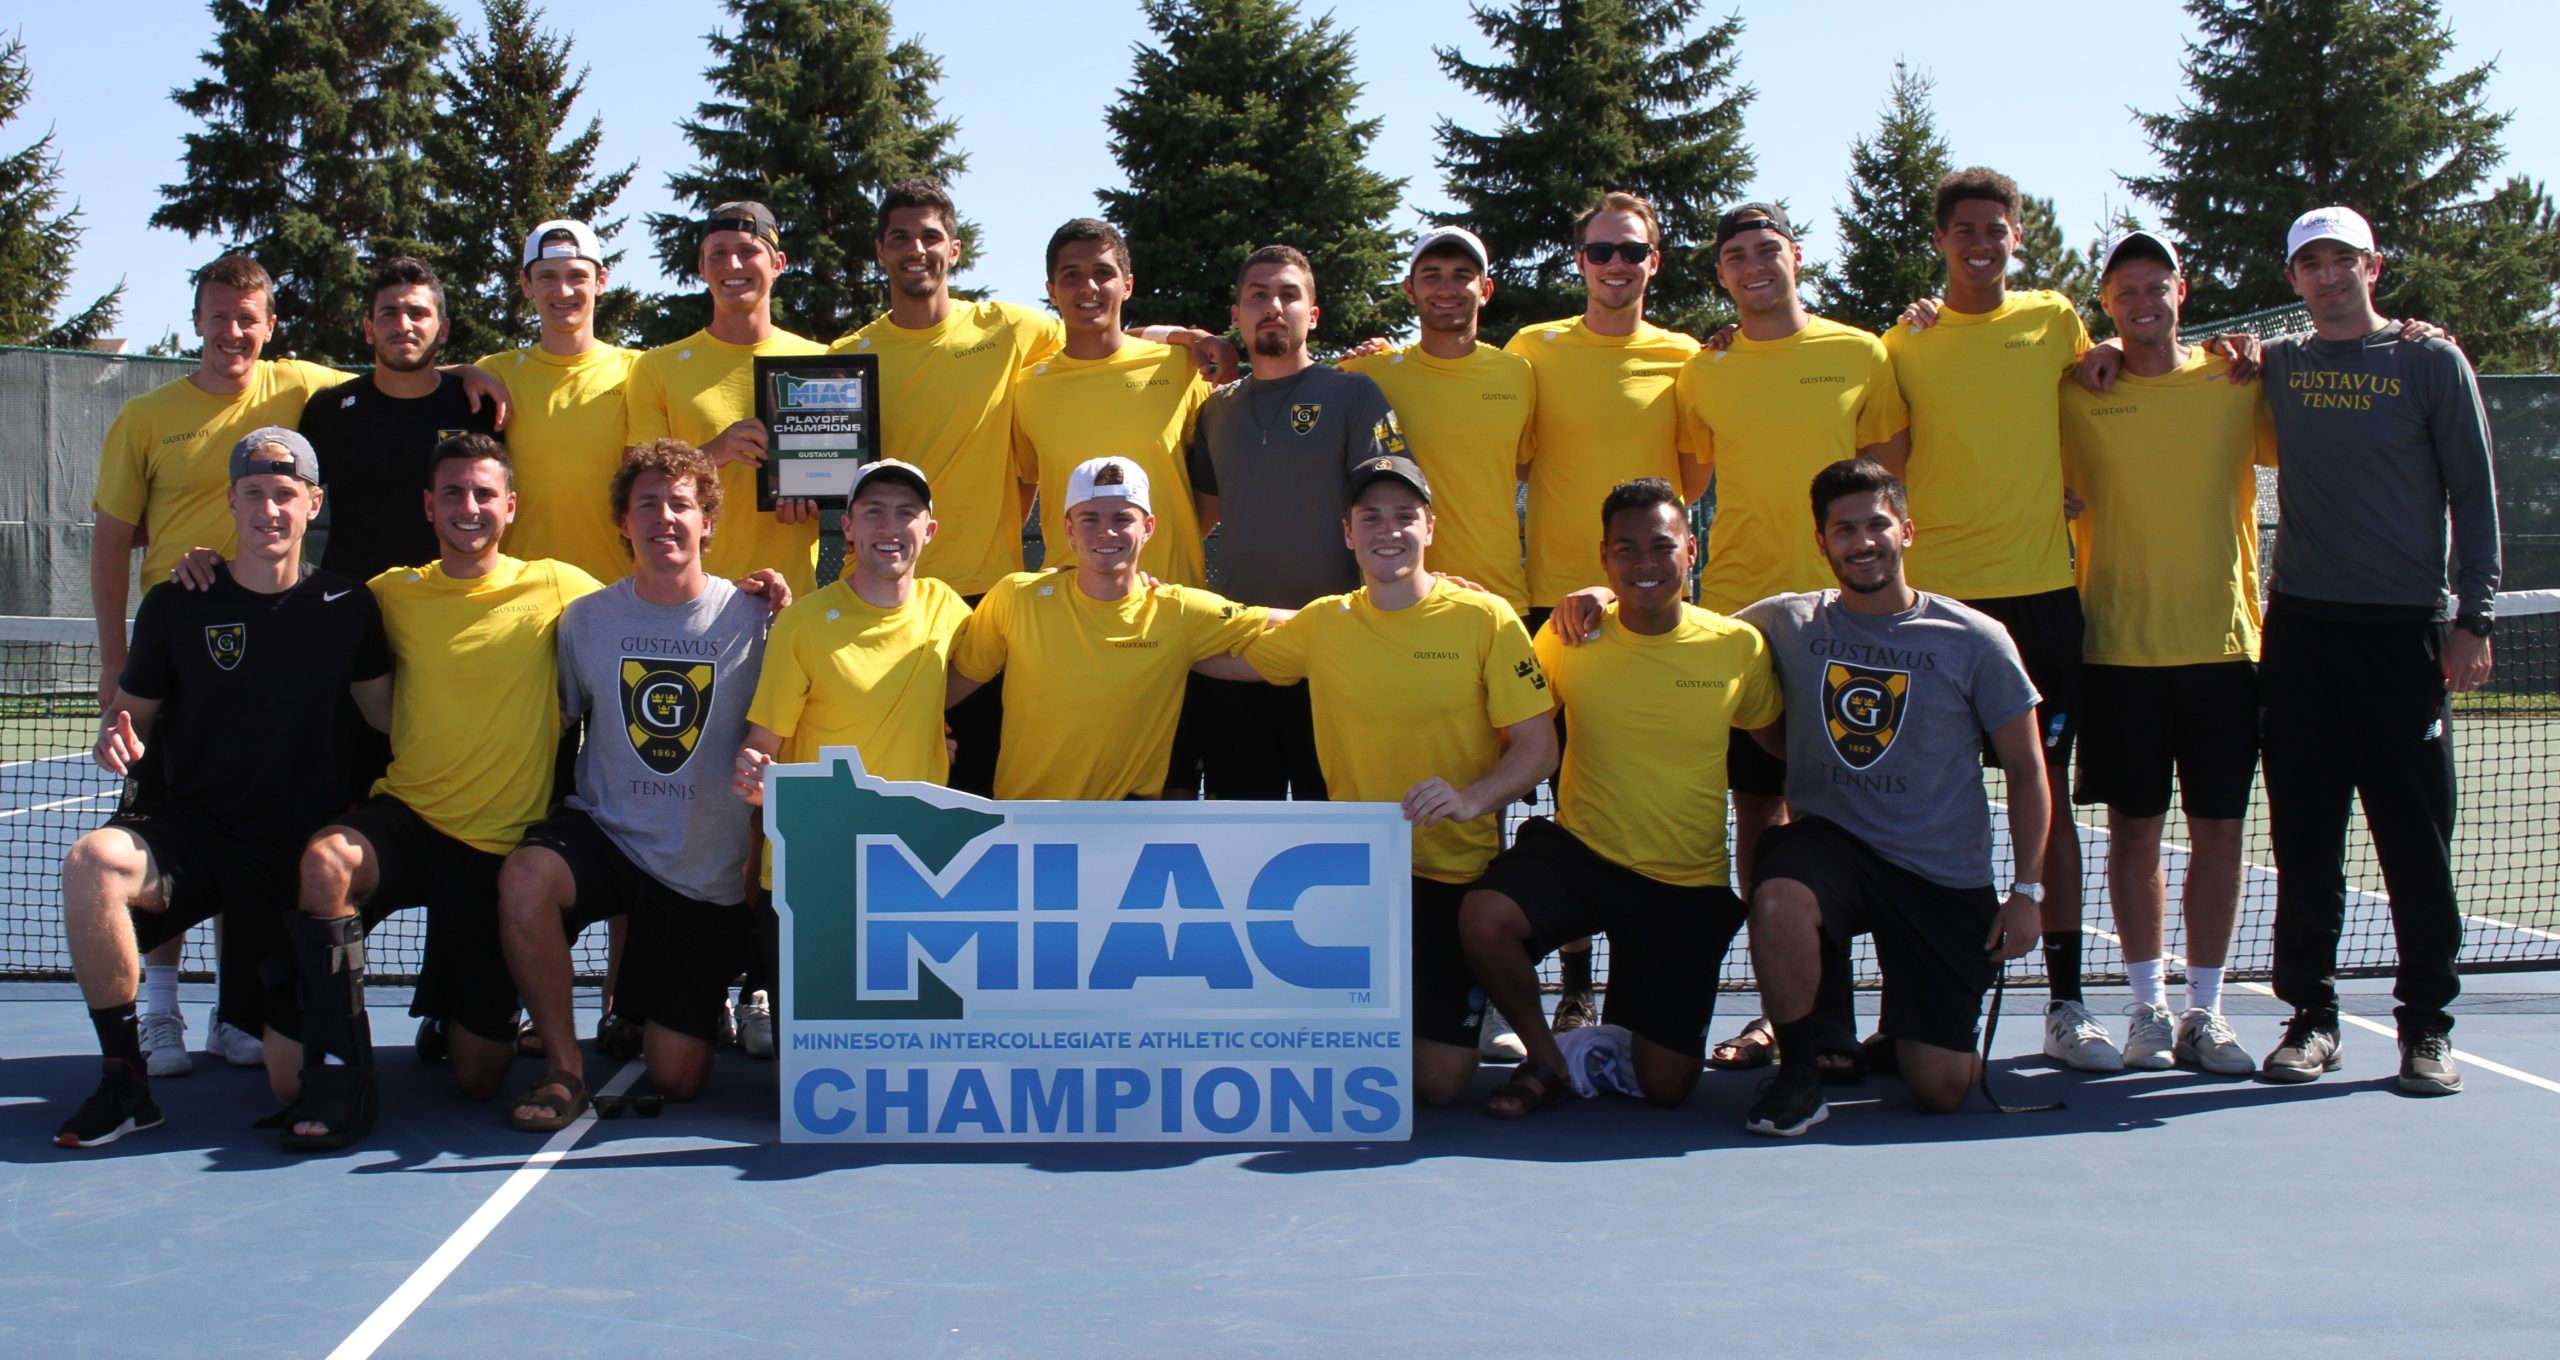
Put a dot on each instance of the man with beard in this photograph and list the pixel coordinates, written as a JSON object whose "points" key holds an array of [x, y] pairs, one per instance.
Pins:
{"points": [[1271, 463], [374, 434]]}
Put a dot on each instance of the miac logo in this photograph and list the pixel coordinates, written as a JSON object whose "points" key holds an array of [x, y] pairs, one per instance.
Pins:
{"points": [[818, 394], [662, 709], [1862, 710], [228, 642]]}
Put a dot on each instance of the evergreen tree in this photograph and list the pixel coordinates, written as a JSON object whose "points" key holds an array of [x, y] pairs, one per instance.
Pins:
{"points": [[2492, 273], [2045, 258], [817, 110], [1888, 254], [308, 158], [37, 242], [1235, 131], [2293, 104], [1598, 95], [501, 164]]}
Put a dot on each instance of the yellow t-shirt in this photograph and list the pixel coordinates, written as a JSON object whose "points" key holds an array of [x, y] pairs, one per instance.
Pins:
{"points": [[1468, 421], [166, 465], [840, 671], [1139, 404], [2168, 536], [1771, 413], [1644, 777], [567, 428], [946, 405], [1608, 412], [475, 694], [1986, 445], [1402, 695], [692, 390], [1093, 688]]}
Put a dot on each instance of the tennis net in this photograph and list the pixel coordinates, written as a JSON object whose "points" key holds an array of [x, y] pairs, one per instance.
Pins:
{"points": [[2506, 843]]}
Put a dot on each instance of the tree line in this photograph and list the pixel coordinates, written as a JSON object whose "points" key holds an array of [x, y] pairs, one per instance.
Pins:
{"points": [[336, 131]]}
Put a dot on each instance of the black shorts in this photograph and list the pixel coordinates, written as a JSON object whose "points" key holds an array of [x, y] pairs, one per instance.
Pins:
{"points": [[2144, 722], [680, 953], [1749, 768], [1666, 942], [1252, 740], [208, 871], [1448, 1006], [2048, 629], [463, 978], [1928, 936]]}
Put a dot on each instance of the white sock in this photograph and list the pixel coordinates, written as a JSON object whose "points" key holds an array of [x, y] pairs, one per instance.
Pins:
{"points": [[159, 989], [2204, 988], [2144, 976]]}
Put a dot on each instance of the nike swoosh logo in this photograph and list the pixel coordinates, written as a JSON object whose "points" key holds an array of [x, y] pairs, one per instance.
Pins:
{"points": [[326, 596]]}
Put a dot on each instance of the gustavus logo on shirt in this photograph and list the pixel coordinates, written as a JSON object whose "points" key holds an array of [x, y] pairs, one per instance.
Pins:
{"points": [[228, 642], [663, 706], [1862, 709], [1302, 415]]}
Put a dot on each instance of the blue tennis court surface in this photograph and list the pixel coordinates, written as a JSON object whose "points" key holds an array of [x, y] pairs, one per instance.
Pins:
{"points": [[2159, 1214]]}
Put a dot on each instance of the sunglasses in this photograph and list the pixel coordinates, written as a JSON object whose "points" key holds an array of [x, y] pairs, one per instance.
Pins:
{"points": [[1602, 252]]}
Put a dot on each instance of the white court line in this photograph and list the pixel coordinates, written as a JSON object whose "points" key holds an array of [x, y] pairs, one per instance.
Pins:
{"points": [[422, 1282], [2386, 1031], [57, 803], [42, 760]]}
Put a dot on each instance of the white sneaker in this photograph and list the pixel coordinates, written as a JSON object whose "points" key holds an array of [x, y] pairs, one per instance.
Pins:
{"points": [[233, 1044], [1498, 1041], [2149, 1038], [755, 1026], [2205, 1041], [2074, 1038], [164, 1044]]}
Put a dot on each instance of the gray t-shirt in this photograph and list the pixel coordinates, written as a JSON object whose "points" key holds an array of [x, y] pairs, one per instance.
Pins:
{"points": [[1885, 721], [666, 688], [2379, 441], [1278, 454]]}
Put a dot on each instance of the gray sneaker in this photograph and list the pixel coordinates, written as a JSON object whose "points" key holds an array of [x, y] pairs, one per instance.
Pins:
{"points": [[1498, 1041], [2310, 1048], [2427, 1067], [2206, 1043], [2149, 1037], [2074, 1038], [164, 1045], [233, 1044]]}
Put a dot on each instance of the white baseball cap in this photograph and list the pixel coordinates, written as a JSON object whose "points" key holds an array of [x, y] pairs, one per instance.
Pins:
{"points": [[2329, 224], [1107, 479], [2141, 242], [907, 474], [1466, 240], [581, 245]]}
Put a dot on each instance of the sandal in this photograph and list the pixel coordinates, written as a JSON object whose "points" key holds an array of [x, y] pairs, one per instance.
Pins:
{"points": [[1755, 1046], [335, 1096], [562, 1110], [1532, 1088], [1842, 1067]]}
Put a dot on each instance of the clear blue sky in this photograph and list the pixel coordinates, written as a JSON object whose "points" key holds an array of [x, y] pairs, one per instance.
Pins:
{"points": [[2041, 92]]}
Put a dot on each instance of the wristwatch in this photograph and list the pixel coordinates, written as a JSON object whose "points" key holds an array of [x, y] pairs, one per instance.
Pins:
{"points": [[2477, 625], [2033, 892]]}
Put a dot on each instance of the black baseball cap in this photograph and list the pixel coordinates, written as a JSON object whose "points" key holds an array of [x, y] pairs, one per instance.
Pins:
{"points": [[1752, 217], [745, 215], [1390, 469]]}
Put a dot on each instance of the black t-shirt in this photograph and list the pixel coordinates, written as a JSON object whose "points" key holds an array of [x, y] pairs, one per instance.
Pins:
{"points": [[373, 462], [251, 690]]}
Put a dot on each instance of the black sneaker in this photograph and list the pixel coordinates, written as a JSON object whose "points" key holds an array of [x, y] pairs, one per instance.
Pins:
{"points": [[617, 1038], [2427, 1067], [1575, 1010], [120, 1105], [2310, 1048], [1789, 1103], [433, 1044]]}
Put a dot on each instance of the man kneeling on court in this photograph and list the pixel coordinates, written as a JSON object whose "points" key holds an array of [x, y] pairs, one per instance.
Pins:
{"points": [[1427, 694], [666, 660], [1888, 693], [1636, 848]]}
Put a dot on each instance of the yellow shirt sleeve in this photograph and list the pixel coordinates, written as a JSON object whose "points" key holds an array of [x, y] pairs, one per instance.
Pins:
{"points": [[1219, 626], [1280, 654], [124, 467], [979, 652], [1881, 413], [1758, 699], [1515, 685], [645, 404], [2265, 453], [782, 682]]}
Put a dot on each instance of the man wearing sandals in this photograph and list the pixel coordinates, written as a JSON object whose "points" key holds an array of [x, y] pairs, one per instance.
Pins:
{"points": [[1636, 848], [1426, 694], [665, 661], [1888, 694], [271, 636]]}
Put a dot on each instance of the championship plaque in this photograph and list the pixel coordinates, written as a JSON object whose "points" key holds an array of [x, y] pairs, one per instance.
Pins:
{"points": [[823, 412]]}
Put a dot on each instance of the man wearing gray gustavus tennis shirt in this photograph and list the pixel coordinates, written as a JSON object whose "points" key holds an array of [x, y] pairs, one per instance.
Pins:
{"points": [[1269, 462], [2384, 444], [663, 664]]}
